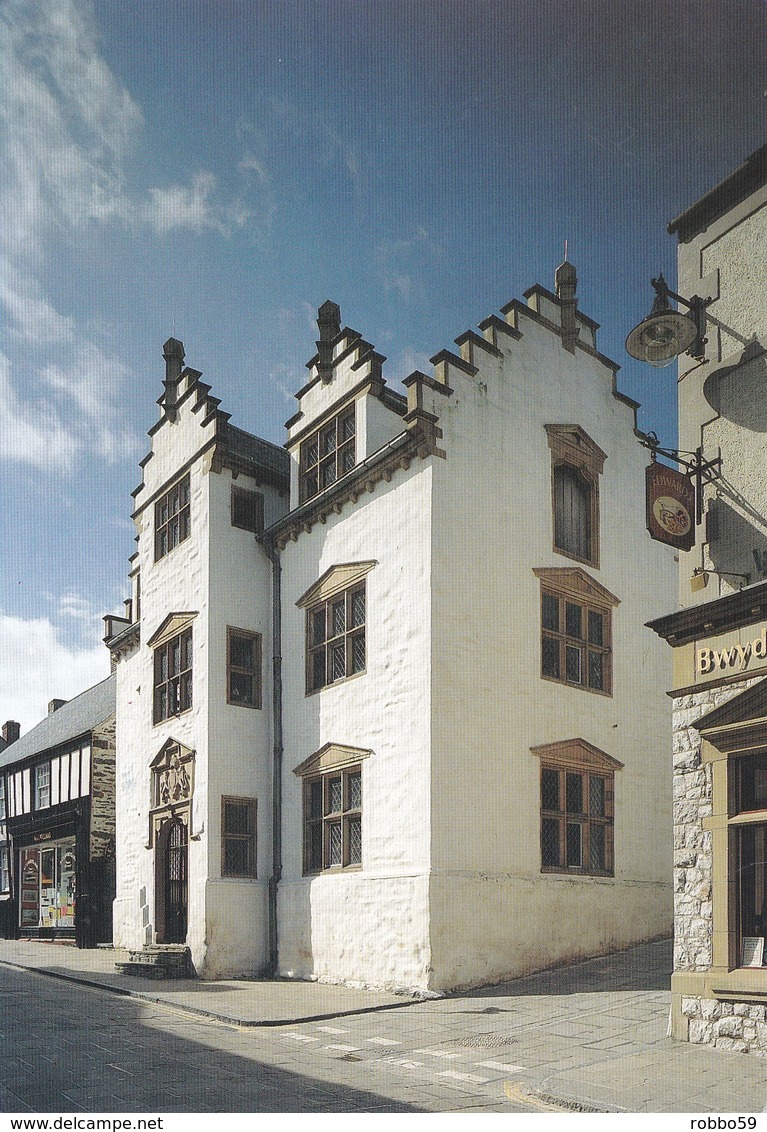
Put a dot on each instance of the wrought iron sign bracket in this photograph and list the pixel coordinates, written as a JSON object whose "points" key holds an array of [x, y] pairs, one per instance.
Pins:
{"points": [[699, 470]]}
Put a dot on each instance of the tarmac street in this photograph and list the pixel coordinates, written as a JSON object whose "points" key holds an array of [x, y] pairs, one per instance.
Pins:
{"points": [[587, 1037]]}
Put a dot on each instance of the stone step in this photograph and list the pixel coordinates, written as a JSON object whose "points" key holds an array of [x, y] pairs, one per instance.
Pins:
{"points": [[159, 961]]}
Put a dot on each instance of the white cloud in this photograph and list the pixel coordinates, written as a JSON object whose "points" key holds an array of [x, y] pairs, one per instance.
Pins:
{"points": [[396, 259], [31, 431], [36, 666], [70, 134]]}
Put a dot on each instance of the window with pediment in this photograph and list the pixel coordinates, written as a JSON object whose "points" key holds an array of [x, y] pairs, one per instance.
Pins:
{"points": [[576, 630]]}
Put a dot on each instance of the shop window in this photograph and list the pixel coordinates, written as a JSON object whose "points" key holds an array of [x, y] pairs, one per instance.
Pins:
{"points": [[327, 454], [333, 820], [247, 510], [5, 870], [42, 786], [238, 837], [577, 463], [243, 668], [171, 519], [173, 677], [748, 805]]}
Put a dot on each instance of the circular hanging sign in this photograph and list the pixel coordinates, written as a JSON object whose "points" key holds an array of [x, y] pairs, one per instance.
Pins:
{"points": [[671, 515]]}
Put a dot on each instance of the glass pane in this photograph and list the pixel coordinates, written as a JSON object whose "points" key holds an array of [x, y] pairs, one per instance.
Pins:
{"points": [[328, 439], [185, 692], [315, 798], [573, 664], [550, 657], [318, 626], [574, 793], [596, 628], [573, 620], [311, 485], [753, 782], [574, 845], [338, 662], [596, 796], [241, 651], [355, 841], [334, 795], [236, 817], [358, 652], [334, 844], [358, 608], [347, 457], [550, 843], [354, 785], [550, 612], [752, 878], [311, 451], [550, 789], [338, 617], [236, 854], [328, 472], [347, 425], [240, 688], [597, 847], [596, 671], [318, 668], [314, 847]]}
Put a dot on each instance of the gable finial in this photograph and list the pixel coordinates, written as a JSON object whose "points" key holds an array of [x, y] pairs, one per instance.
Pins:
{"points": [[329, 326]]}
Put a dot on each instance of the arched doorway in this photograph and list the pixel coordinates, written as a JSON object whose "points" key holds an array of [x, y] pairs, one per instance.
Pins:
{"points": [[171, 882]]}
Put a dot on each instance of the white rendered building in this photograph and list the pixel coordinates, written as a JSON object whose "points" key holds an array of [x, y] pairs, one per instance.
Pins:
{"points": [[456, 770]]}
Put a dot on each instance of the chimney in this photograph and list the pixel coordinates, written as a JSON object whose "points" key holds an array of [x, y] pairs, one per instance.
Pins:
{"points": [[565, 282], [54, 705], [329, 325], [11, 731], [173, 352]]}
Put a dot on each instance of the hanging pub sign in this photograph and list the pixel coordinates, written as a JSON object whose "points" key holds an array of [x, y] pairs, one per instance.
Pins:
{"points": [[670, 506]]}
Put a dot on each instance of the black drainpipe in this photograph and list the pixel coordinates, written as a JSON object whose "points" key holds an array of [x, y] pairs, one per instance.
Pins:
{"points": [[274, 879]]}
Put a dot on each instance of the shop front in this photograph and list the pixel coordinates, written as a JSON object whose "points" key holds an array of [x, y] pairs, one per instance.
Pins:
{"points": [[48, 886]]}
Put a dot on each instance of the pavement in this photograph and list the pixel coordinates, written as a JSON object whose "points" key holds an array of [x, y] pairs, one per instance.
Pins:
{"points": [[589, 1037]]}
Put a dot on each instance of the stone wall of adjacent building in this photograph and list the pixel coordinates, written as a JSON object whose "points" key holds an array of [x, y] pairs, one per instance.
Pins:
{"points": [[737, 1026], [103, 790]]}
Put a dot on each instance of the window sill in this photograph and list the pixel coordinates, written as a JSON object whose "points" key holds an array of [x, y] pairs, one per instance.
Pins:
{"points": [[333, 871], [336, 683], [552, 870], [578, 687]]}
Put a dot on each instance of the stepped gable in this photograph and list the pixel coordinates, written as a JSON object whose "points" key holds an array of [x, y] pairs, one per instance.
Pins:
{"points": [[233, 447]]}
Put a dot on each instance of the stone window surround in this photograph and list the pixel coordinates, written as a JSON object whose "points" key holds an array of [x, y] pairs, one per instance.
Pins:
{"points": [[341, 580], [255, 672], [176, 527], [573, 447], [581, 757], [332, 759], [248, 838], [576, 586]]}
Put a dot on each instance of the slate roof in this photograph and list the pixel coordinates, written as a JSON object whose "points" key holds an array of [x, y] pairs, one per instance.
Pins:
{"points": [[73, 719]]}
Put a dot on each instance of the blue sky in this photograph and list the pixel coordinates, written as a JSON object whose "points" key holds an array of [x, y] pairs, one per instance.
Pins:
{"points": [[216, 170]]}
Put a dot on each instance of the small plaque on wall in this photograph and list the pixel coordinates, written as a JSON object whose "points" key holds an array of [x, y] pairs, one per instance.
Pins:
{"points": [[753, 951]]}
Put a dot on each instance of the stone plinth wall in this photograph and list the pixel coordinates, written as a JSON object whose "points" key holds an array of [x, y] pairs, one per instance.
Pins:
{"points": [[736, 1026]]}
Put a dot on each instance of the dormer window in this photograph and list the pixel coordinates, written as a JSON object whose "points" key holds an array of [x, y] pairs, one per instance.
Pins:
{"points": [[328, 453]]}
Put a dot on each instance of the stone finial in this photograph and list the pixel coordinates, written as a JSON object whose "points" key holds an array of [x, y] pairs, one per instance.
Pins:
{"points": [[566, 282], [329, 325], [173, 352]]}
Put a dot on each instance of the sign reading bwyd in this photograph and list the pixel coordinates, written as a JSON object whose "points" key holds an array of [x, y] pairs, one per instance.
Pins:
{"points": [[732, 658], [670, 506]]}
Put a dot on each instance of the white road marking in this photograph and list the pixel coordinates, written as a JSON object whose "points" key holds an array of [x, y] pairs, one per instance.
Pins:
{"points": [[344, 1049], [331, 1030], [474, 1077], [383, 1042], [437, 1053], [499, 1065], [299, 1037], [402, 1062]]}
